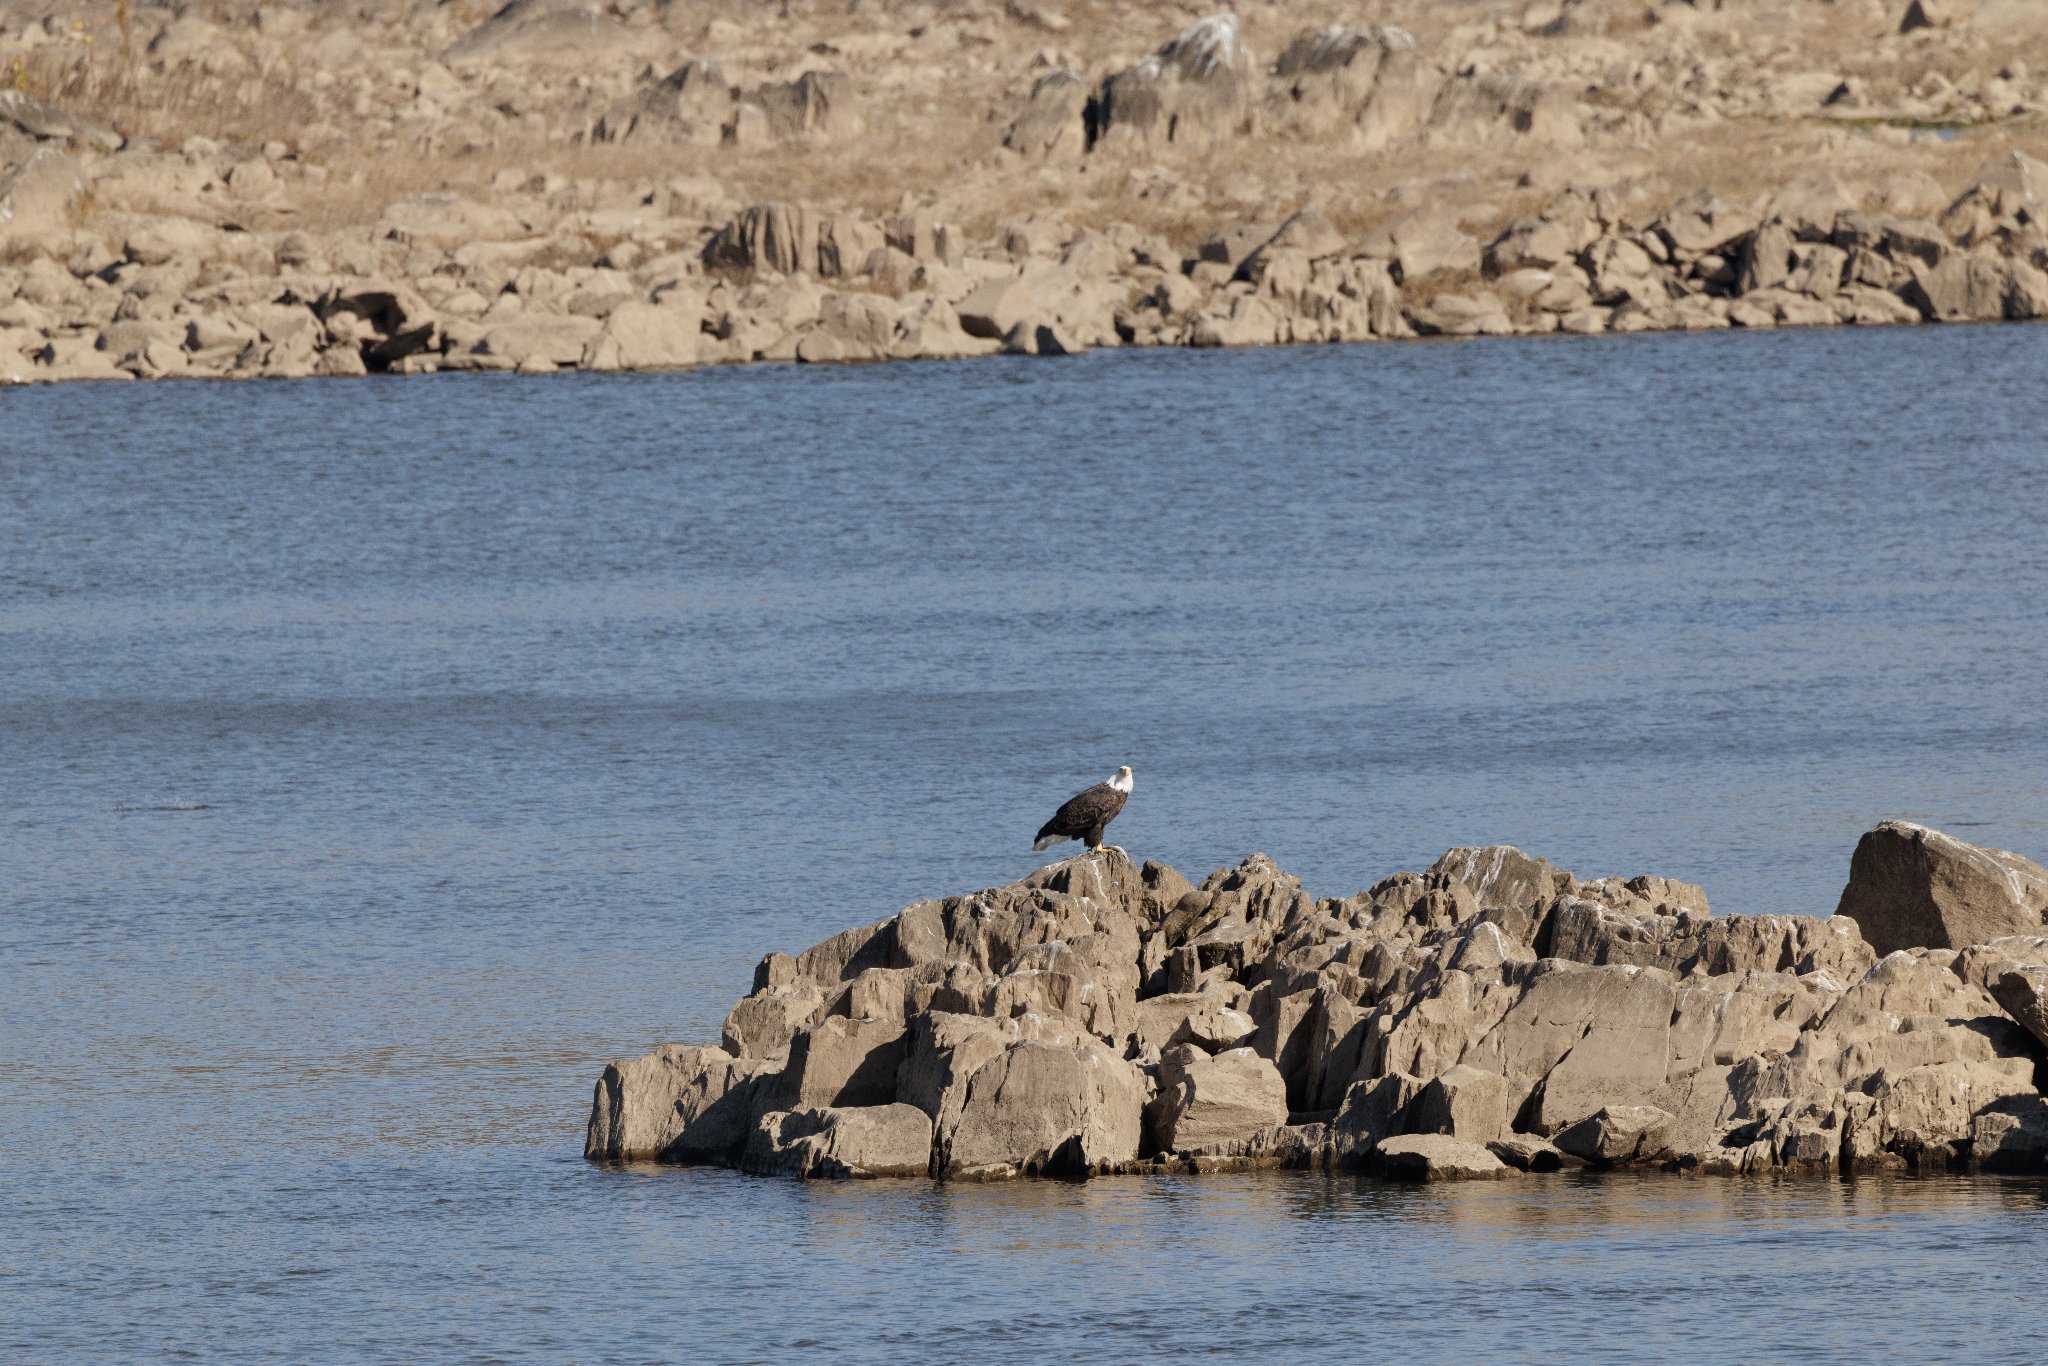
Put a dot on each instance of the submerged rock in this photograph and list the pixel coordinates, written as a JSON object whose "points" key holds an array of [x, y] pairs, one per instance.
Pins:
{"points": [[1492, 1015]]}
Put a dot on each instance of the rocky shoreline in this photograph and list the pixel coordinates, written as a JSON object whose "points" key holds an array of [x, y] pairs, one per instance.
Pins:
{"points": [[1528, 170], [1492, 1016]]}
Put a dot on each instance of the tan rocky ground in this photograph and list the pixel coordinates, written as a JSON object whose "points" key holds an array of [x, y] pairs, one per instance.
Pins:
{"points": [[301, 188], [1492, 1016]]}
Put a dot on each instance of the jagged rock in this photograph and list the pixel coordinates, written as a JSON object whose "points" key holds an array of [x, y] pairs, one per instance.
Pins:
{"points": [[1528, 1153], [1593, 932], [1421, 243], [1204, 1019], [1046, 1108], [690, 104], [1195, 87], [1208, 1104], [1619, 1134], [777, 237], [1370, 81], [1463, 1102], [2011, 1136], [545, 31], [47, 123], [817, 102], [840, 1061], [761, 1025], [1704, 224], [1978, 286], [1308, 232], [2023, 992], [1051, 122], [859, 1141], [1436, 1157], [675, 1103], [1022, 1022], [2009, 193], [1912, 887]]}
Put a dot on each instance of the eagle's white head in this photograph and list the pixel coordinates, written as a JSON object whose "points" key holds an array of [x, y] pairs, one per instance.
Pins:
{"points": [[1122, 781]]}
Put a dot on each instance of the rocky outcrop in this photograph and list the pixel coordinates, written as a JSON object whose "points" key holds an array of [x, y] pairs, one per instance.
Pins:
{"points": [[1911, 887], [1490, 1016], [1198, 87], [558, 185]]}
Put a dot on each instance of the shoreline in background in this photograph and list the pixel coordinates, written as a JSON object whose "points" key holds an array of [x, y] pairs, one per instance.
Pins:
{"points": [[384, 187]]}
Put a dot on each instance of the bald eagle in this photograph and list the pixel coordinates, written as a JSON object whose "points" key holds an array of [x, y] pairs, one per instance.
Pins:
{"points": [[1085, 813]]}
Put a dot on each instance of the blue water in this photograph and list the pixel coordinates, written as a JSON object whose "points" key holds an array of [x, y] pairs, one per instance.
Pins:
{"points": [[378, 758]]}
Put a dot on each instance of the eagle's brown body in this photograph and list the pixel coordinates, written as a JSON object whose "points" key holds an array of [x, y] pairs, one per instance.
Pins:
{"points": [[1085, 814]]}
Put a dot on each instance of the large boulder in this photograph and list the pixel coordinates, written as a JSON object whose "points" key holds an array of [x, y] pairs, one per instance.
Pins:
{"points": [[646, 336], [1914, 887], [689, 105], [777, 237], [544, 32], [1436, 1157], [841, 1061], [875, 1140], [38, 197], [1050, 124], [2008, 195], [1369, 82], [1196, 87], [1978, 286], [1618, 1134], [1210, 1104], [1060, 1109], [676, 1103]]}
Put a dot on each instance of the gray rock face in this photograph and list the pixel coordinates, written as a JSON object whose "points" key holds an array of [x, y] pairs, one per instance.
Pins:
{"points": [[1493, 1014], [1912, 887], [1620, 1133], [677, 1104], [1060, 1109], [879, 1140], [1437, 1157], [1197, 86], [1207, 1104]]}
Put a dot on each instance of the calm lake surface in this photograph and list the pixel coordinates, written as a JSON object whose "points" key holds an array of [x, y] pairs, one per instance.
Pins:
{"points": [[379, 758]]}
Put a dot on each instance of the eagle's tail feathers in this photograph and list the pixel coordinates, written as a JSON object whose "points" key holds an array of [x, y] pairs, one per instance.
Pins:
{"points": [[1045, 842]]}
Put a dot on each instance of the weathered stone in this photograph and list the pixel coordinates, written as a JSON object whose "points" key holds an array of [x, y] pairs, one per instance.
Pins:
{"points": [[1911, 887], [1421, 243], [841, 1061], [1528, 1153], [856, 1141], [1619, 1134], [1436, 1157], [1195, 88], [1045, 1108], [1208, 1103], [1369, 83], [1463, 1102], [647, 336], [1051, 123], [676, 1103], [777, 237]]}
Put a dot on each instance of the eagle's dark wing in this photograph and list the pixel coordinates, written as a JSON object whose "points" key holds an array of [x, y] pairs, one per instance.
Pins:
{"points": [[1084, 811]]}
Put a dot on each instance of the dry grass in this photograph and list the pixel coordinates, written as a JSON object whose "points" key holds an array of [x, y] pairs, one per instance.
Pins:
{"points": [[951, 157]]}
